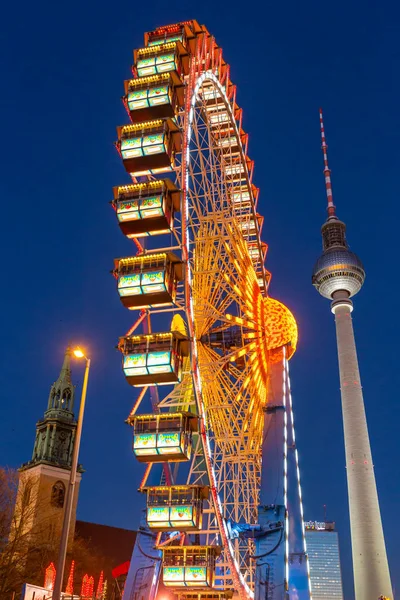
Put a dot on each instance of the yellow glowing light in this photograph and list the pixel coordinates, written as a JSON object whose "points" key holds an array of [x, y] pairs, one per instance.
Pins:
{"points": [[237, 290], [131, 260], [178, 324], [238, 354], [152, 78], [135, 187], [143, 125], [140, 173], [237, 320], [157, 49], [78, 353]]}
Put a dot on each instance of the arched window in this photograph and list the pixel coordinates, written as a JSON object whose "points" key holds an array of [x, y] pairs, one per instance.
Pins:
{"points": [[58, 494], [66, 399]]}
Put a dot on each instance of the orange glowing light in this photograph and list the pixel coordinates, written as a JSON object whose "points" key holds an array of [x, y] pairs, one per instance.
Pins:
{"points": [[100, 586], [70, 584], [84, 588], [281, 327], [50, 577]]}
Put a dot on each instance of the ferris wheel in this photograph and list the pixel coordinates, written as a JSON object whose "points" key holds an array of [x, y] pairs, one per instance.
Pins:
{"points": [[209, 349]]}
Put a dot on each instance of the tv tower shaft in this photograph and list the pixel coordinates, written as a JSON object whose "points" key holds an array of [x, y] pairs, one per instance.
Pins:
{"points": [[370, 564]]}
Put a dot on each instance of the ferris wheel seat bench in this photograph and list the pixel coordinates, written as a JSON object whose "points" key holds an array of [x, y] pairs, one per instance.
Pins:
{"points": [[148, 145], [163, 437], [154, 97], [154, 358], [235, 173], [249, 226], [254, 250], [148, 280], [146, 208], [178, 507], [189, 566], [240, 195]]}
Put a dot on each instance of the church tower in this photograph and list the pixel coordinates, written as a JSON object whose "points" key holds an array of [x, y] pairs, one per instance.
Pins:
{"points": [[44, 479]]}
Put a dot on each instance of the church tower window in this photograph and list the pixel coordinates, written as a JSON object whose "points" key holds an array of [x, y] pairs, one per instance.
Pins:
{"points": [[58, 494], [66, 399]]}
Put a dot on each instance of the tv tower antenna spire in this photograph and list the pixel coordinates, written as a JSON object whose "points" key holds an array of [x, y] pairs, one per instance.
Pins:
{"points": [[327, 171], [338, 275]]}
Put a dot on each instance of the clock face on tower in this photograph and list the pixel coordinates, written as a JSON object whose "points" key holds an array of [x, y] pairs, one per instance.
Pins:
{"points": [[61, 446]]}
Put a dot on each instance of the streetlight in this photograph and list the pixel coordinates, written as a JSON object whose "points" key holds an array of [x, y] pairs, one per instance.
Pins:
{"points": [[71, 485]]}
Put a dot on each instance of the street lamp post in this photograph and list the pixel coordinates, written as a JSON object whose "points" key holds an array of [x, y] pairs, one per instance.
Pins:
{"points": [[71, 485]]}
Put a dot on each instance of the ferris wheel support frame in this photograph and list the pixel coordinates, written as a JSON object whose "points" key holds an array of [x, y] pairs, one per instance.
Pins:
{"points": [[299, 566], [145, 566], [272, 573]]}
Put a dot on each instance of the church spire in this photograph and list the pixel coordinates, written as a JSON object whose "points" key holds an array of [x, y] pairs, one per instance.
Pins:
{"points": [[55, 433], [61, 397]]}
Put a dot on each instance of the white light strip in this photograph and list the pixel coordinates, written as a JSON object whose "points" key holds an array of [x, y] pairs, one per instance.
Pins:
{"points": [[298, 478], [285, 449], [196, 373]]}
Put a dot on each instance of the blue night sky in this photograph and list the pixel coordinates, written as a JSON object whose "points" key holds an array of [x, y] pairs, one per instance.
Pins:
{"points": [[62, 72]]}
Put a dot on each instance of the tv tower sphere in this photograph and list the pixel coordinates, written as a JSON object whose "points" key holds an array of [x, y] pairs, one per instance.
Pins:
{"points": [[337, 269]]}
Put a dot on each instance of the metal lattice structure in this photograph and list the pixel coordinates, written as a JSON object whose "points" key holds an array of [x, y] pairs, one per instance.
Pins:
{"points": [[191, 211]]}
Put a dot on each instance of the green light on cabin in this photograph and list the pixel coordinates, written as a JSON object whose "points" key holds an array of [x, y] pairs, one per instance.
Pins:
{"points": [[173, 576], [195, 576]]}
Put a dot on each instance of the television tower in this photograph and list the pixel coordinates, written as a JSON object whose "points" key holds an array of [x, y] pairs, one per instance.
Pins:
{"points": [[338, 275]]}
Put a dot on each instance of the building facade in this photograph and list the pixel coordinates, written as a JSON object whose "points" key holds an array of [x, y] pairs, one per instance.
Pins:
{"points": [[43, 481], [324, 558]]}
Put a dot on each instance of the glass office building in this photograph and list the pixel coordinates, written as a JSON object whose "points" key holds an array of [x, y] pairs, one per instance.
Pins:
{"points": [[323, 553]]}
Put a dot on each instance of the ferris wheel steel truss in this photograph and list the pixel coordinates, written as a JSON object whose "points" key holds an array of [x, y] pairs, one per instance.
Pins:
{"points": [[224, 296]]}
